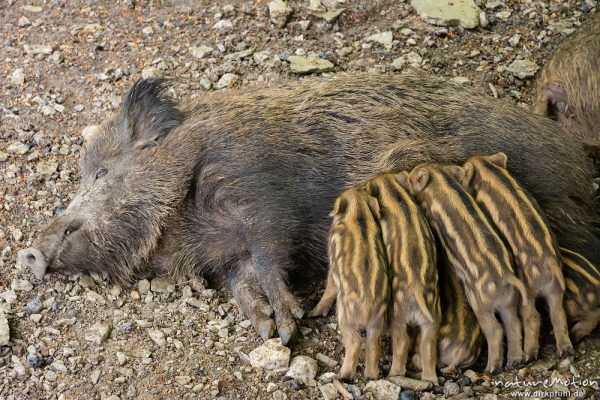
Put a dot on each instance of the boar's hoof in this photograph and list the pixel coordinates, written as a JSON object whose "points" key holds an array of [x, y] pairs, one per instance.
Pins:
{"points": [[33, 259], [566, 350]]}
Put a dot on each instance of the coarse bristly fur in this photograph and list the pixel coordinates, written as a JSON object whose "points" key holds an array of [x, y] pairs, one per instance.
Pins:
{"points": [[477, 256], [521, 223], [568, 88], [237, 186], [358, 279]]}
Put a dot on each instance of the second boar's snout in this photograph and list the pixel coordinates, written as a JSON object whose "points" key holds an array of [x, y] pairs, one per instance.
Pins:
{"points": [[34, 260]]}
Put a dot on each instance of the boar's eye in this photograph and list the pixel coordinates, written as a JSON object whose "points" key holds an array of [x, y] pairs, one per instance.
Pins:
{"points": [[101, 172]]}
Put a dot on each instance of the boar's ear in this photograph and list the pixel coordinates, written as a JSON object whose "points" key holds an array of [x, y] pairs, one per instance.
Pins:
{"points": [[420, 180], [457, 172], [340, 206], [374, 206], [148, 114], [403, 179], [500, 159]]}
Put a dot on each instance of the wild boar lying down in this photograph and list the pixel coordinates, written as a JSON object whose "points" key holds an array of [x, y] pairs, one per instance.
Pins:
{"points": [[238, 185]]}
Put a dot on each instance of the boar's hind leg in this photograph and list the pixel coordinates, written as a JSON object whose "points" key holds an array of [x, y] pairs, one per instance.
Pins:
{"points": [[244, 288], [270, 272], [586, 325]]}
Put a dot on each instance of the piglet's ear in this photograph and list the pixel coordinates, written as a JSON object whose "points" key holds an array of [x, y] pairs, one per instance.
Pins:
{"points": [[340, 206], [148, 114], [455, 171], [419, 180], [500, 159], [403, 179]]}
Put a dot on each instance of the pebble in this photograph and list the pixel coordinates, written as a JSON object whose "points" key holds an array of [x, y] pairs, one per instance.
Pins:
{"points": [[183, 379], [99, 332], [384, 38], [35, 49], [3, 156], [95, 376], [23, 22], [201, 52], [327, 377], [34, 360], [279, 12], [148, 31], [21, 285], [408, 395], [272, 355], [34, 306], [162, 285], [489, 396], [326, 360], [303, 369], [18, 366], [157, 337], [412, 59], [121, 358], [4, 329], [303, 65], [60, 366], [144, 286], [564, 365], [383, 390], [47, 167], [223, 24], [451, 388], [17, 78], [33, 9], [523, 68], [227, 80], [468, 391], [271, 387], [50, 375], [329, 392], [89, 131], [18, 148]]}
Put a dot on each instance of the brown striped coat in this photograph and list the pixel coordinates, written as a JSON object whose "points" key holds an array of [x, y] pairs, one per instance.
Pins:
{"points": [[411, 253], [477, 256], [523, 226], [582, 297], [357, 279]]}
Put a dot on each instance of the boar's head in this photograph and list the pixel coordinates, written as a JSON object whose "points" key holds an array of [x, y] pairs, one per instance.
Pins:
{"points": [[126, 190]]}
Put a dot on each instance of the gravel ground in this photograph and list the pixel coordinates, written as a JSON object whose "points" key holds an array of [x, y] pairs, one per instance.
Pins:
{"points": [[65, 65]]}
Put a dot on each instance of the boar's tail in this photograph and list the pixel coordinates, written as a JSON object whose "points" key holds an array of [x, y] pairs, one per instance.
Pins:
{"points": [[514, 281]]}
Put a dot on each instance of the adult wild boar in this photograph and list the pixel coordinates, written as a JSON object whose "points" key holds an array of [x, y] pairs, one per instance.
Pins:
{"points": [[568, 88], [238, 185]]}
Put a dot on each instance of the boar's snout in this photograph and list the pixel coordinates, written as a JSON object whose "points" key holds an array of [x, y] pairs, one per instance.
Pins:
{"points": [[34, 260]]}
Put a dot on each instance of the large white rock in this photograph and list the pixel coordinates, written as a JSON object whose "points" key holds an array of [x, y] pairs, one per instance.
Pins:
{"points": [[271, 355], [463, 13]]}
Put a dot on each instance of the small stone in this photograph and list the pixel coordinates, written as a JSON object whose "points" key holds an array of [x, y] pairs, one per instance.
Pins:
{"points": [[329, 392], [523, 68], [223, 24], [36, 49], [271, 355], [303, 65], [149, 72], [489, 396], [461, 81], [472, 375], [183, 379], [50, 375], [47, 167], [564, 365], [121, 358], [483, 20], [162, 285], [271, 387], [227, 80], [279, 12], [144, 286], [33, 9], [201, 52], [4, 329], [383, 390], [23, 22], [17, 78], [560, 382], [79, 107], [384, 38], [18, 148], [303, 369], [451, 388], [116, 290], [514, 40], [34, 360], [34, 306], [99, 332], [409, 395], [17, 234], [326, 360], [89, 131], [468, 391], [60, 366], [463, 13], [3, 156], [148, 31], [21, 285], [413, 59], [157, 337], [95, 376], [327, 377]]}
